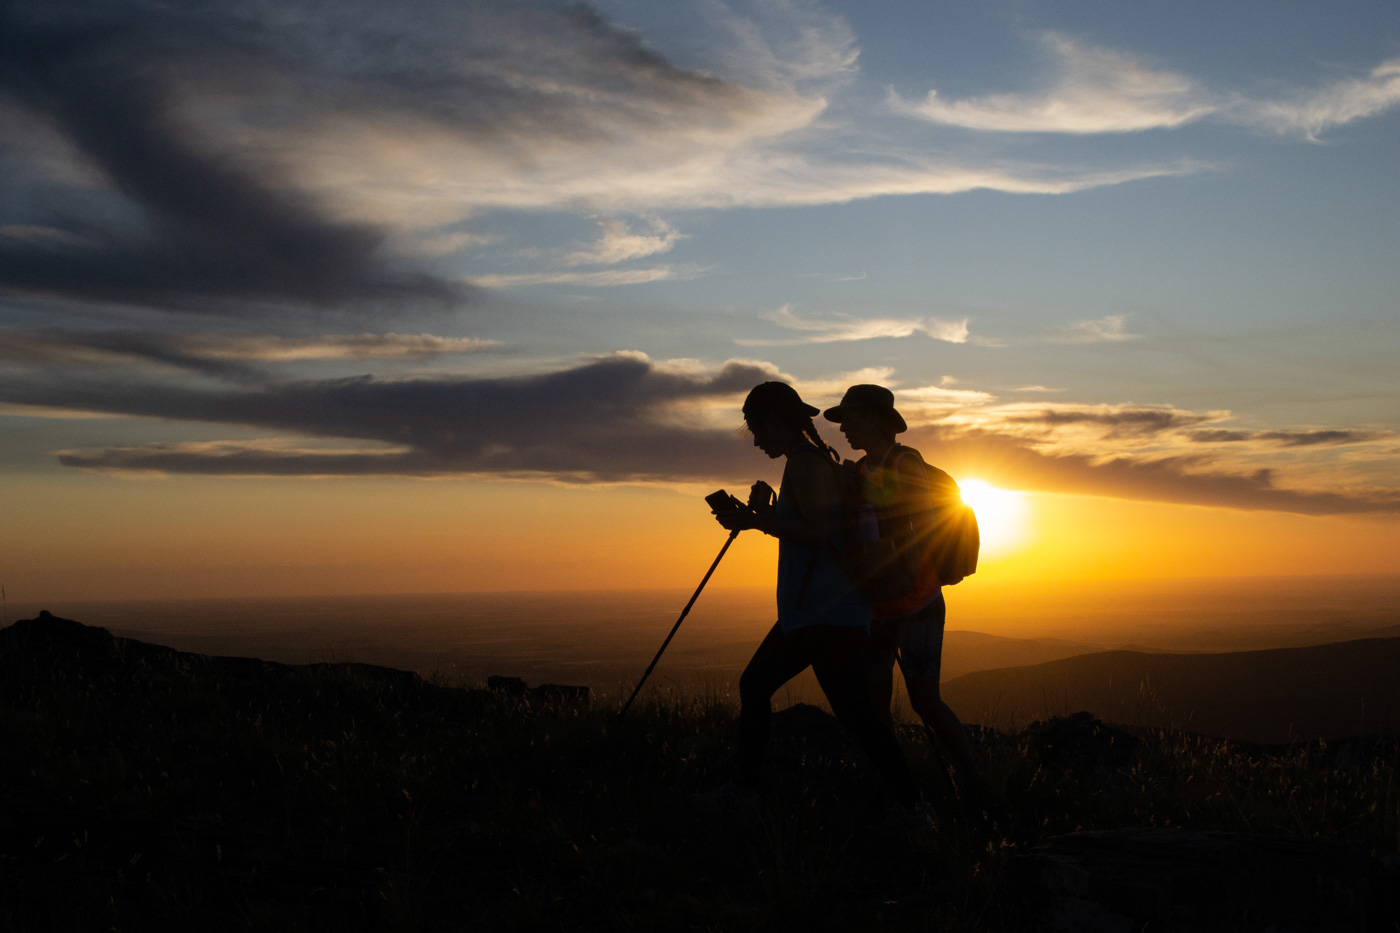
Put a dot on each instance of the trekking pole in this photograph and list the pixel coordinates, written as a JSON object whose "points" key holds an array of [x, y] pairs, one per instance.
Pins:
{"points": [[696, 595]]}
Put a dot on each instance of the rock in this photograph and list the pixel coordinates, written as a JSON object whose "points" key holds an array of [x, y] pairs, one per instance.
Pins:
{"points": [[1176, 880], [48, 648], [1080, 742], [513, 686], [550, 693]]}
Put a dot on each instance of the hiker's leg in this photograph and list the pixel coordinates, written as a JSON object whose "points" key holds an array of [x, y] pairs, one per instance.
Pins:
{"points": [[879, 659], [920, 660], [838, 660], [779, 658]]}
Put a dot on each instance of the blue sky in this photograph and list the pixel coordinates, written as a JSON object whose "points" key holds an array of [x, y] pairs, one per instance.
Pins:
{"points": [[1145, 249]]}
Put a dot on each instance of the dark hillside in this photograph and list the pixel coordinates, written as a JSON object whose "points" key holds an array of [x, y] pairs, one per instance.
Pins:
{"points": [[1325, 691], [143, 788]]}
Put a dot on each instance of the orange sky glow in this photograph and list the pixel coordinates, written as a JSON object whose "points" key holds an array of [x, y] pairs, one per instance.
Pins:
{"points": [[100, 537]]}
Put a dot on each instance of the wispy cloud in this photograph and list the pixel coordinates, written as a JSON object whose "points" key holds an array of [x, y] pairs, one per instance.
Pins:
{"points": [[1337, 104], [617, 243], [441, 244], [846, 328], [221, 354], [1109, 329], [1119, 421], [1093, 90], [1013, 462], [603, 278], [1320, 438]]}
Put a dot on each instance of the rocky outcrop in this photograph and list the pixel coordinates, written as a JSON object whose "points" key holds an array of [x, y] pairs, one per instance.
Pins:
{"points": [[549, 693], [1175, 880], [1080, 743]]}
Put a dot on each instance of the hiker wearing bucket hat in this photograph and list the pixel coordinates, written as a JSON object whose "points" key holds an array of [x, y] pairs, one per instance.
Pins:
{"points": [[909, 629], [822, 618]]}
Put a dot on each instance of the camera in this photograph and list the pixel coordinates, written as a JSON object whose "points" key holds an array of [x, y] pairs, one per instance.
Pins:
{"points": [[720, 500]]}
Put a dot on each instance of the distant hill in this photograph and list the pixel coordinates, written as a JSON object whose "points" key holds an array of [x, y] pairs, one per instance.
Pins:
{"points": [[1326, 691], [967, 651]]}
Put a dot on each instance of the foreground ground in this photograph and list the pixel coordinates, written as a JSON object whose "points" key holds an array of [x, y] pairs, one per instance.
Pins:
{"points": [[142, 788]]}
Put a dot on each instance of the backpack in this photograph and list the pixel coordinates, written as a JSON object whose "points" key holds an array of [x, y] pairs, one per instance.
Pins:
{"points": [[885, 549]]}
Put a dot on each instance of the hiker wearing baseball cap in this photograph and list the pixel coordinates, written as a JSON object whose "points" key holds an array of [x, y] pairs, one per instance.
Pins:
{"points": [[908, 629], [822, 618]]}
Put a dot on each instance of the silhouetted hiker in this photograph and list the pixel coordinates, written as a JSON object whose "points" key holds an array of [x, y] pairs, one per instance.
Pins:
{"points": [[822, 617], [910, 628]]}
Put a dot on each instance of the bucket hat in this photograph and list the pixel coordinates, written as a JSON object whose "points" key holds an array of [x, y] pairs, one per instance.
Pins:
{"points": [[876, 399]]}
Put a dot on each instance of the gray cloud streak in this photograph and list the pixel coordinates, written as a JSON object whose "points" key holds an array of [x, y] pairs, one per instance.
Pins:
{"points": [[227, 356], [1290, 438], [1130, 422], [1178, 479], [606, 420], [211, 235], [613, 419]]}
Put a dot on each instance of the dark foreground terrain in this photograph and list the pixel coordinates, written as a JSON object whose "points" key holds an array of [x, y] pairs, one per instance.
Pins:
{"points": [[143, 788]]}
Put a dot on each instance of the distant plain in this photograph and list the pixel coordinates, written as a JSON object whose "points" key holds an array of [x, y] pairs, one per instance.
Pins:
{"points": [[604, 639]]}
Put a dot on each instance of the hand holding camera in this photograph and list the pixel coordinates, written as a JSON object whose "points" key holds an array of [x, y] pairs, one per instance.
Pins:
{"points": [[730, 512]]}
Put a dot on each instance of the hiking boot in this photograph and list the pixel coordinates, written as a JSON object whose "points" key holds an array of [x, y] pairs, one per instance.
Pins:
{"points": [[729, 797]]}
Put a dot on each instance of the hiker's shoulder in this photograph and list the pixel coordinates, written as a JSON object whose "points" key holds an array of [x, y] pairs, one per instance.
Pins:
{"points": [[907, 462], [810, 458]]}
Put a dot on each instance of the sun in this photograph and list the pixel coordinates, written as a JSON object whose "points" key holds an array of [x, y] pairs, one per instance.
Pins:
{"points": [[1001, 515]]}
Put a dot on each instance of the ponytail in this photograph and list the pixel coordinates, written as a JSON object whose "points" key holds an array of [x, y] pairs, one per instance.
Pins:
{"points": [[809, 431]]}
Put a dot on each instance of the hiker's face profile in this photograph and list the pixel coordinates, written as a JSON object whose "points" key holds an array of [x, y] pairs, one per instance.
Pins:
{"points": [[770, 436], [863, 430]]}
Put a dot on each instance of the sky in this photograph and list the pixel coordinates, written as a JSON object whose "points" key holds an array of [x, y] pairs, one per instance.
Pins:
{"points": [[307, 298]]}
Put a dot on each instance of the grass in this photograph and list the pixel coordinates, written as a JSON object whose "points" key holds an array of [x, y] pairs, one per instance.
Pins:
{"points": [[171, 794]]}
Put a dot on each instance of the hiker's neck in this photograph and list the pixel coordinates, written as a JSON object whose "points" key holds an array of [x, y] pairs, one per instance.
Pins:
{"points": [[879, 450]]}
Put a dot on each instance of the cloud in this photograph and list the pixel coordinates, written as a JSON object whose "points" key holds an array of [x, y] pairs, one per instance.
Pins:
{"points": [[853, 329], [627, 418], [221, 355], [616, 418], [1094, 90], [187, 227], [242, 157], [1334, 105], [1120, 421], [390, 346], [1333, 438], [604, 278], [442, 244], [618, 244], [1109, 329], [1220, 436], [1097, 90], [1012, 462]]}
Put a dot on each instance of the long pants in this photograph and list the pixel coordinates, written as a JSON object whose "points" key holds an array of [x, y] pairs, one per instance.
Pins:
{"points": [[836, 655]]}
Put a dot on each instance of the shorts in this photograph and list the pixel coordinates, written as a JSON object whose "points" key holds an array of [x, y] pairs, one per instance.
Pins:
{"points": [[915, 640]]}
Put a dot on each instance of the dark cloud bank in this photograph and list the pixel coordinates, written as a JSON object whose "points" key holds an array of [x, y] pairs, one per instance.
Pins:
{"points": [[146, 96], [606, 420], [613, 419], [201, 232]]}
